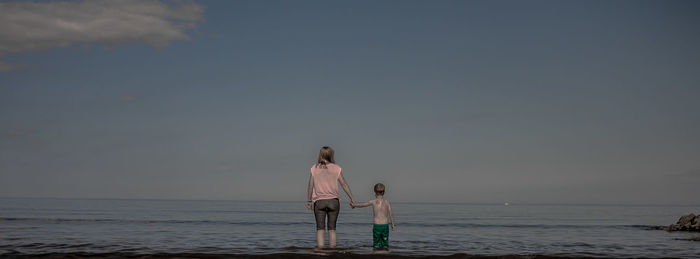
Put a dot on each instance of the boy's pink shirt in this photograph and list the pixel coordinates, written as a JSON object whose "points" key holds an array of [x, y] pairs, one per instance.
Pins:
{"points": [[325, 182]]}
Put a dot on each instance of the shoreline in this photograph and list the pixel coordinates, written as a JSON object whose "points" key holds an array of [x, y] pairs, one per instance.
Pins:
{"points": [[294, 256]]}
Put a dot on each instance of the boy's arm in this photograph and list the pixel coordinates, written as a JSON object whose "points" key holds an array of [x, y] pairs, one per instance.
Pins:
{"points": [[310, 191], [391, 214], [361, 205]]}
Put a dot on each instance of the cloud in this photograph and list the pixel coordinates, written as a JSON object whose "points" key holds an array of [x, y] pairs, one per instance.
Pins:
{"points": [[4, 66], [20, 132], [127, 98], [30, 26], [691, 173]]}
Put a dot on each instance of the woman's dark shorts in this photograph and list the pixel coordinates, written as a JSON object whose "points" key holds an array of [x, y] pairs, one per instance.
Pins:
{"points": [[323, 208]]}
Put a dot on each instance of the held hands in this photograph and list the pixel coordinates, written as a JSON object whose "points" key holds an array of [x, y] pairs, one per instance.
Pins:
{"points": [[352, 205]]}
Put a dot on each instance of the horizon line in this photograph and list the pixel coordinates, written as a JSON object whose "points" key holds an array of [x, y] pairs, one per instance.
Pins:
{"points": [[404, 202]]}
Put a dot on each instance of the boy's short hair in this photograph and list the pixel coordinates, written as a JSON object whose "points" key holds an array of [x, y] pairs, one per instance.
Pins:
{"points": [[379, 189]]}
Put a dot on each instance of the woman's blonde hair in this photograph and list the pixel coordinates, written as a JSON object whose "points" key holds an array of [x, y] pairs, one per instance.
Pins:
{"points": [[325, 156]]}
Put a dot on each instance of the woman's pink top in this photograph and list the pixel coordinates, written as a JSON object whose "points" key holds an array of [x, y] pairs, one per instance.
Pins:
{"points": [[325, 182]]}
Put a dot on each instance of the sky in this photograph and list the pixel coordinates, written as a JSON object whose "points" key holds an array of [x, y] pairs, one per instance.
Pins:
{"points": [[577, 102]]}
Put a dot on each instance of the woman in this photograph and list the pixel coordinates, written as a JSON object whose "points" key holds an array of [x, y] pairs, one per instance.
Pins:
{"points": [[323, 193]]}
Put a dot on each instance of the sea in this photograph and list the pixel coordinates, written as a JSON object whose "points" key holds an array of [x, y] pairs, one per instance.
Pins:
{"points": [[34, 226]]}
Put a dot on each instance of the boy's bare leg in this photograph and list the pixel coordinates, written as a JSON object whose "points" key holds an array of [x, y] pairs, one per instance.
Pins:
{"points": [[331, 238], [320, 238]]}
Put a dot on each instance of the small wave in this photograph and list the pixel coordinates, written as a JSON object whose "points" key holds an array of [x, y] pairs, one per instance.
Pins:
{"points": [[69, 220], [52, 245], [11, 238], [30, 245], [295, 248], [538, 226], [646, 227], [574, 244], [689, 239], [284, 255], [277, 223], [276, 212], [55, 219]]}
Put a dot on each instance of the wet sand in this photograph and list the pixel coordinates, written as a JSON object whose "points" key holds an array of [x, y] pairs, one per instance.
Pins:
{"points": [[281, 256]]}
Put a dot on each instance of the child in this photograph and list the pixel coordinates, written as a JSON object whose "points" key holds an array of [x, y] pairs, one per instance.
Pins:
{"points": [[382, 214]]}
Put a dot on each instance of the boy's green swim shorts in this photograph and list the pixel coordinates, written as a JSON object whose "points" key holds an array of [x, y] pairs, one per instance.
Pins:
{"points": [[380, 234]]}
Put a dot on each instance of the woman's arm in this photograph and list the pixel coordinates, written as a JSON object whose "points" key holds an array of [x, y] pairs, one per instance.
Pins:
{"points": [[310, 191], [345, 186]]}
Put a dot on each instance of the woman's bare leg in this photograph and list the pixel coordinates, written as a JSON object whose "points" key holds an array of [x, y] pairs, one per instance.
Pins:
{"points": [[331, 238], [320, 238]]}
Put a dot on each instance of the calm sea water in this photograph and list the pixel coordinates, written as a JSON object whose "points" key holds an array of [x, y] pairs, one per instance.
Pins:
{"points": [[33, 226]]}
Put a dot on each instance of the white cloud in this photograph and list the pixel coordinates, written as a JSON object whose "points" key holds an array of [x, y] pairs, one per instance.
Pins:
{"points": [[127, 98], [4, 66], [21, 132], [29, 26]]}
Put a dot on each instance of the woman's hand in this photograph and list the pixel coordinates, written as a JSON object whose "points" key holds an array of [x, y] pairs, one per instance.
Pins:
{"points": [[308, 204]]}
